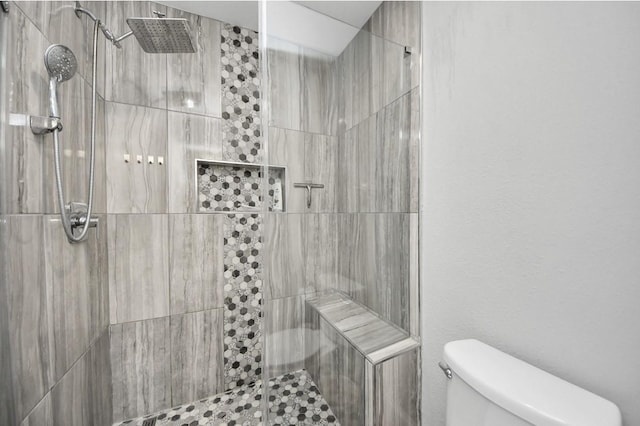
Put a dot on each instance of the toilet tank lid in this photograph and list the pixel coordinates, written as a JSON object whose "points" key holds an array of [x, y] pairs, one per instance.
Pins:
{"points": [[526, 391]]}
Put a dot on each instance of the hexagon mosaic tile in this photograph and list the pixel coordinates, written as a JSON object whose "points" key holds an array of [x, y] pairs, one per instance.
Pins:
{"points": [[241, 128], [242, 307], [293, 399], [236, 188]]}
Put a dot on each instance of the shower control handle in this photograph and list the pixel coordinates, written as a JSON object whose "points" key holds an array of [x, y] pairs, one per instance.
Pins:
{"points": [[78, 215], [78, 221]]}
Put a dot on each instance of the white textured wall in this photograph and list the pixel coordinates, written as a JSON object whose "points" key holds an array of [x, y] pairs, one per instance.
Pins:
{"points": [[531, 202]]}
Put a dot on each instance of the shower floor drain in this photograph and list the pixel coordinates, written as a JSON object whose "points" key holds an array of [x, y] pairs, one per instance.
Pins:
{"points": [[150, 422]]}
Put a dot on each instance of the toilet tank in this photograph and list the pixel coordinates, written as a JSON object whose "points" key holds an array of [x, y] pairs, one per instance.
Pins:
{"points": [[490, 388]]}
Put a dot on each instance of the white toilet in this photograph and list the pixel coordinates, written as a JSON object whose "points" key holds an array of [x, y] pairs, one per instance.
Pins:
{"points": [[490, 388]]}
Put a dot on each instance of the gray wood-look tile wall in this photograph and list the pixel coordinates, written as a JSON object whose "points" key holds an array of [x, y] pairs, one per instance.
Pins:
{"points": [[285, 328], [138, 267], [57, 294], [132, 76], [366, 255], [195, 262], [158, 363], [30, 187], [55, 350], [76, 287], [82, 396], [7, 393], [196, 355], [337, 368], [57, 320], [396, 390], [140, 365], [134, 187], [24, 151], [191, 137], [29, 312], [302, 89], [193, 80], [76, 149]]}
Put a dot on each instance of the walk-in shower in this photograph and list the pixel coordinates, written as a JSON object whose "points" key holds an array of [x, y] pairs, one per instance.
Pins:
{"points": [[257, 201], [155, 35]]}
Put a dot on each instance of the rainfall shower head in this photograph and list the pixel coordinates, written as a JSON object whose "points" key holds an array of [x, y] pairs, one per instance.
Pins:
{"points": [[60, 62], [162, 35]]}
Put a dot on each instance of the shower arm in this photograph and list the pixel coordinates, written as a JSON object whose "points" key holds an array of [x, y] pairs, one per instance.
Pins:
{"points": [[78, 8]]}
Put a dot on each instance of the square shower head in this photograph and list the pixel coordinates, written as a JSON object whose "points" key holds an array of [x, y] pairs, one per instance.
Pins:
{"points": [[162, 35]]}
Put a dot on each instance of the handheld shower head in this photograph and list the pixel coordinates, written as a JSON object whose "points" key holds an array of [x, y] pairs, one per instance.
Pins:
{"points": [[60, 62], [61, 65]]}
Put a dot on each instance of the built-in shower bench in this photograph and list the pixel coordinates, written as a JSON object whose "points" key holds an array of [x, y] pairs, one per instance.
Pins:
{"points": [[365, 366]]}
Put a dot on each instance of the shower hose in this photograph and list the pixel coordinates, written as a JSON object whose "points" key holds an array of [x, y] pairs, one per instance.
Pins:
{"points": [[64, 214]]}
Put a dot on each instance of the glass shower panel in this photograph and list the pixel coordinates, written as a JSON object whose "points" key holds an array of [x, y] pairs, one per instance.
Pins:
{"points": [[7, 409], [158, 316], [341, 287], [202, 348]]}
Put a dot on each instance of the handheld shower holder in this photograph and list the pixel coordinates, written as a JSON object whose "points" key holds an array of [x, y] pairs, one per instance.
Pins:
{"points": [[39, 125], [44, 125]]}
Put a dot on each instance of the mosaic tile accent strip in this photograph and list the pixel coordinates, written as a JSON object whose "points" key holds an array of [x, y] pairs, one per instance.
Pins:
{"points": [[241, 128], [234, 188], [294, 399], [242, 299]]}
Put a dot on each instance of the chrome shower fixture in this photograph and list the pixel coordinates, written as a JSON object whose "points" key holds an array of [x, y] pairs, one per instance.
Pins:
{"points": [[155, 35], [162, 35], [60, 62]]}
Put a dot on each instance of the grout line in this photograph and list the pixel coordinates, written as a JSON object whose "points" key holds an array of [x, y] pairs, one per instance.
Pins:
{"points": [[85, 353], [168, 110], [48, 393], [165, 316], [408, 92]]}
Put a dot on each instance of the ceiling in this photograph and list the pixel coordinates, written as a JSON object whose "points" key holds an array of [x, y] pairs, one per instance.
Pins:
{"points": [[325, 26]]}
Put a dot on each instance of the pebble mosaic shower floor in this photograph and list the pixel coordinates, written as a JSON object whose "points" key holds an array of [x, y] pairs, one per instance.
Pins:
{"points": [[294, 399]]}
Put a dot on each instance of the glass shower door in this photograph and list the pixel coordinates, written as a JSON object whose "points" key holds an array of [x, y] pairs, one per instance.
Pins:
{"points": [[340, 273]]}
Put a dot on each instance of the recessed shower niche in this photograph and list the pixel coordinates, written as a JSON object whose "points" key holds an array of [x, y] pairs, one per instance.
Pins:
{"points": [[230, 186]]}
